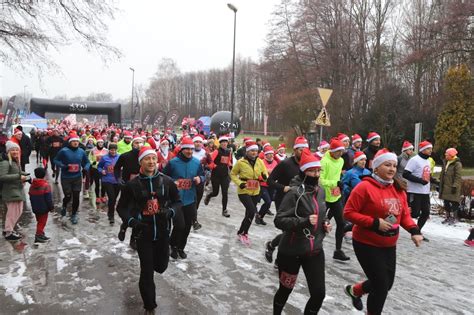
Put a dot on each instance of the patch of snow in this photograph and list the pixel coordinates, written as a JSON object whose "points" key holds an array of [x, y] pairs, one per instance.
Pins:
{"points": [[94, 288], [60, 264], [126, 256], [459, 231], [92, 254], [13, 280], [182, 266], [72, 241]]}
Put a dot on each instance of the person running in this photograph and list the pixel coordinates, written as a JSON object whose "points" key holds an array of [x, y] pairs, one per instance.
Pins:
{"points": [[373, 139], [377, 208], [204, 157], [418, 174], [240, 153], [55, 143], [279, 180], [450, 185], [266, 193], [95, 155], [402, 160], [302, 219], [125, 145], [13, 195], [356, 146], [187, 172], [220, 168], [164, 153], [352, 177], [469, 242], [281, 152], [246, 174], [127, 168], [331, 169], [109, 181], [71, 160], [345, 156], [322, 149], [152, 199], [41, 203]]}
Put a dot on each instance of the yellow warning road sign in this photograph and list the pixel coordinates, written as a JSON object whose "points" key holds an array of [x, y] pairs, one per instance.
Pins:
{"points": [[323, 118]]}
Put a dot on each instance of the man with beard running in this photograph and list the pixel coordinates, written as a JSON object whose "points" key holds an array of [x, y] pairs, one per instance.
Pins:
{"points": [[279, 181], [151, 200], [220, 165], [71, 160], [127, 168], [55, 143], [186, 171]]}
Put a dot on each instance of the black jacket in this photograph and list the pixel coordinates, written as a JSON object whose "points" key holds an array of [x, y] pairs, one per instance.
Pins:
{"points": [[282, 175], [135, 196], [127, 164], [26, 147], [221, 170], [370, 152], [55, 143], [293, 217]]}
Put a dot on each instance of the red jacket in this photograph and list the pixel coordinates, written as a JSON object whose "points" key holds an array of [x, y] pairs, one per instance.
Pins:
{"points": [[269, 167], [369, 201], [162, 161]]}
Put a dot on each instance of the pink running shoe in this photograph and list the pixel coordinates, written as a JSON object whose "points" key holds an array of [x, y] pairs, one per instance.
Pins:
{"points": [[469, 243], [247, 240], [241, 238]]}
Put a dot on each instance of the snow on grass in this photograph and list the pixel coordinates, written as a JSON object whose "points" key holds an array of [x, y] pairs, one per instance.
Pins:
{"points": [[13, 281], [60, 264], [94, 288], [92, 254]]}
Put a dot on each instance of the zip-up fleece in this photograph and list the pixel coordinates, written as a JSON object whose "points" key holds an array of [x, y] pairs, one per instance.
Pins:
{"points": [[243, 171], [331, 174]]}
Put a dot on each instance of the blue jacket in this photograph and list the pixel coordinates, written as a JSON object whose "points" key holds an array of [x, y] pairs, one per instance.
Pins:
{"points": [[40, 196], [183, 168], [67, 157], [107, 163], [351, 178]]}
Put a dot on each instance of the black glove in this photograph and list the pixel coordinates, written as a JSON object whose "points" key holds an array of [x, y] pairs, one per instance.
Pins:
{"points": [[139, 226], [94, 163], [453, 190], [264, 176], [424, 182], [243, 185], [340, 185]]}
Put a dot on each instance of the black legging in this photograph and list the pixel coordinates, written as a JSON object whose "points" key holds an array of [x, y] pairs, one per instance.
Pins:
{"points": [[223, 182], [335, 210], [451, 207], [56, 170], [378, 264], [112, 191], [250, 204], [154, 256], [199, 194], [96, 177], [288, 268], [182, 222], [420, 208], [266, 195], [75, 201]]}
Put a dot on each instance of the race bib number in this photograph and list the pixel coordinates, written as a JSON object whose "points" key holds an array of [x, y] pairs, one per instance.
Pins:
{"points": [[132, 176], [56, 144], [288, 280], [73, 168], [225, 159], [426, 173], [98, 157], [335, 192], [184, 184], [152, 207], [252, 184], [392, 205], [110, 169]]}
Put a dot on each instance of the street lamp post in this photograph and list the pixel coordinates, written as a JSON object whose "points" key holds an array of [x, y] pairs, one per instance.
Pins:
{"points": [[24, 96], [131, 103], [232, 95]]}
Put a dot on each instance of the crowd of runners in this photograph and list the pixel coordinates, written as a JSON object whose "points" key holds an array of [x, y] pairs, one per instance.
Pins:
{"points": [[155, 182]]}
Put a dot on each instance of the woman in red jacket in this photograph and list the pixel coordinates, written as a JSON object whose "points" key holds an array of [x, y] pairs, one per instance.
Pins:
{"points": [[377, 208]]}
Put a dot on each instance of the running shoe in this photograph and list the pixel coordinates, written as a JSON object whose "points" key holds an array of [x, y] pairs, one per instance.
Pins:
{"points": [[469, 243], [63, 211], [182, 254], [225, 213], [12, 237], [339, 255], [356, 300], [86, 194], [74, 219], [196, 225], [269, 251], [247, 240]]}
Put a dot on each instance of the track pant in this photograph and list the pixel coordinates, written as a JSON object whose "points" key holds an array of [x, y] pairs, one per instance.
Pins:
{"points": [[222, 182], [378, 264], [199, 194], [96, 177], [420, 208], [71, 189], [335, 210], [250, 204], [313, 268], [452, 208], [182, 222], [14, 211], [112, 191], [266, 195], [41, 220], [154, 256]]}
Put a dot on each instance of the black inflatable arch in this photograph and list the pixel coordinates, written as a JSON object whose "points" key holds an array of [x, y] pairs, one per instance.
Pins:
{"points": [[113, 111]]}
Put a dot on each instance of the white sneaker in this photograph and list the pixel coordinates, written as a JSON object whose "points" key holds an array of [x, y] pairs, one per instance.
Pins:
{"points": [[86, 195]]}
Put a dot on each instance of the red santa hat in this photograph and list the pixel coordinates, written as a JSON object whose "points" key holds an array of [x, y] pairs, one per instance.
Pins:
{"points": [[99, 139], [144, 151], [163, 140], [382, 156], [359, 155], [268, 150], [343, 137], [452, 152], [127, 134], [17, 131], [198, 138], [281, 146], [300, 142], [323, 144], [250, 145], [186, 143], [247, 139], [73, 137], [336, 145], [308, 161], [406, 146], [372, 136], [223, 138], [424, 145], [266, 144], [137, 138], [356, 138]]}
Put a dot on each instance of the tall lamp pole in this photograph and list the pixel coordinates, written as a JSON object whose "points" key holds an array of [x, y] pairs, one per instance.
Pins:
{"points": [[232, 95], [131, 103], [24, 95]]}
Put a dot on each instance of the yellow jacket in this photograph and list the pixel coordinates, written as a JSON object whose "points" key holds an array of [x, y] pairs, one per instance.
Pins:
{"points": [[243, 171]]}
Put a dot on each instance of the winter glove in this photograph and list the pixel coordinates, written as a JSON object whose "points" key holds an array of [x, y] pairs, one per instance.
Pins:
{"points": [[340, 185], [137, 225], [453, 190], [264, 176], [242, 185], [424, 182]]}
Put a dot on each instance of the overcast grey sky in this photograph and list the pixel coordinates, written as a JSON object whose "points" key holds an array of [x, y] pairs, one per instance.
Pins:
{"points": [[197, 34]]}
